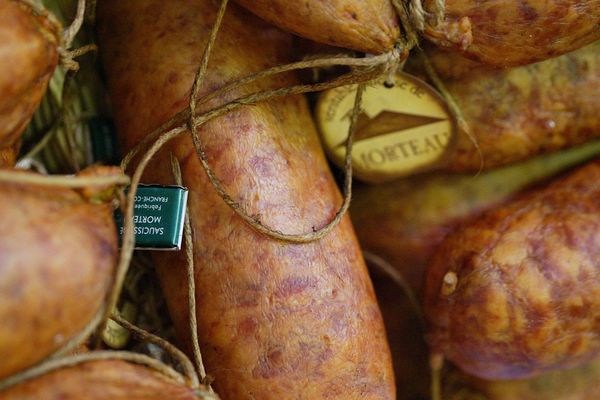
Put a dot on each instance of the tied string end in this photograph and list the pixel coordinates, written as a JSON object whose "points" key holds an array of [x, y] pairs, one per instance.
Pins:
{"points": [[66, 55], [65, 181], [64, 38]]}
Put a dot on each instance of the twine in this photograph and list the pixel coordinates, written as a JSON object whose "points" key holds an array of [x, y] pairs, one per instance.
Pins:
{"points": [[39, 10], [453, 106], [81, 337], [67, 56], [365, 69], [372, 68], [53, 362], [417, 17], [189, 257], [436, 360], [65, 41], [384, 266], [69, 34], [128, 237], [65, 181], [177, 354], [410, 38], [71, 361]]}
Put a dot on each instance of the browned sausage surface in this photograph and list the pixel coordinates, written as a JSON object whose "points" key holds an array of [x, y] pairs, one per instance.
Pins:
{"points": [[100, 380], [57, 254], [364, 25], [521, 112], [509, 33], [276, 320], [28, 56], [516, 292], [405, 221]]}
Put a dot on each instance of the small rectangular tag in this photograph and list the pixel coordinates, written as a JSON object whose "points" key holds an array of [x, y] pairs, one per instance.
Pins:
{"points": [[158, 216]]}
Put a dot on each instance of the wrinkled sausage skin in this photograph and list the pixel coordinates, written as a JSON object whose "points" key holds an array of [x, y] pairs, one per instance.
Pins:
{"points": [[516, 292], [405, 221], [517, 113], [275, 320], [511, 33], [100, 380]]}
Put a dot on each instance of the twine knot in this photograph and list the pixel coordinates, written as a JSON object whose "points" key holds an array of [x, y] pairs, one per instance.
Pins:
{"points": [[392, 64], [67, 60]]}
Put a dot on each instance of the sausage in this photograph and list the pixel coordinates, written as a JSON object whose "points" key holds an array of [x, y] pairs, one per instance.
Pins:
{"points": [[363, 25], [28, 56], [414, 215], [511, 33], [518, 113], [515, 293], [276, 320], [57, 255], [100, 380]]}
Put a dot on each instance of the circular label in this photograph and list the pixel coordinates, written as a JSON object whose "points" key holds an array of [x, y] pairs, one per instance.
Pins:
{"points": [[400, 130]]}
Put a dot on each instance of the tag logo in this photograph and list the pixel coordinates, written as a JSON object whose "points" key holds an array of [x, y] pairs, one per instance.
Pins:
{"points": [[399, 131]]}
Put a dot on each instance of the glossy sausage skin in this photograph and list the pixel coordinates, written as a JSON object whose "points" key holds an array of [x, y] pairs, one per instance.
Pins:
{"points": [[28, 56], [511, 33], [517, 292], [364, 25], [276, 320], [57, 255], [100, 380]]}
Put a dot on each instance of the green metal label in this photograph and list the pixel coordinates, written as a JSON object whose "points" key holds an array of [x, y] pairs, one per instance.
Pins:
{"points": [[158, 216]]}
